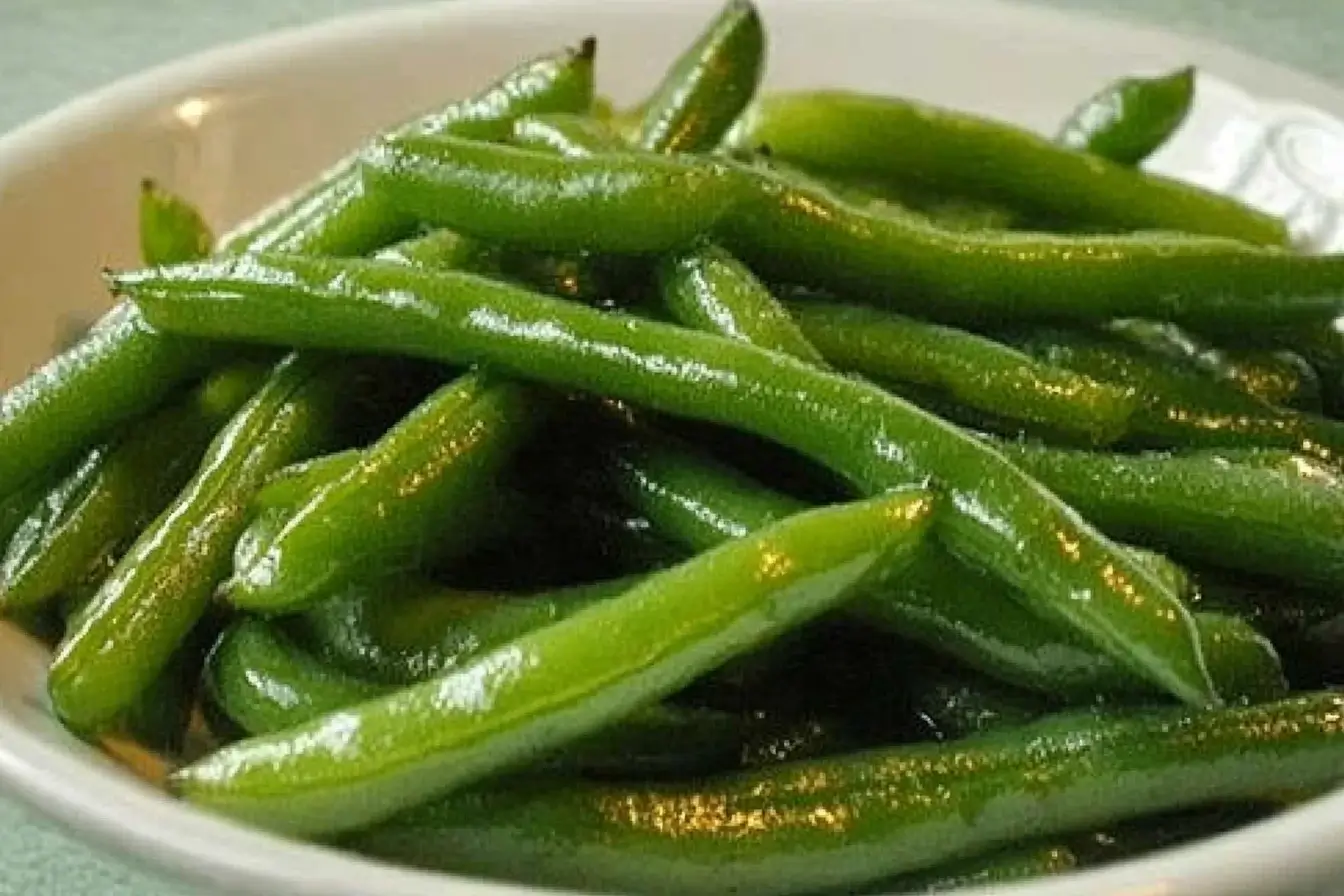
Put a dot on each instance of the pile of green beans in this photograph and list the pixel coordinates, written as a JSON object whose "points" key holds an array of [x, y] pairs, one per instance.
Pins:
{"points": [[710, 496]]}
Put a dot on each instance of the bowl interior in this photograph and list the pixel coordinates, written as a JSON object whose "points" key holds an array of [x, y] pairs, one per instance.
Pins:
{"points": [[236, 128]]}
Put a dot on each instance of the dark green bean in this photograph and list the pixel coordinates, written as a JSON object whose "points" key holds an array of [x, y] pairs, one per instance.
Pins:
{"points": [[1003, 520], [972, 370], [1003, 867], [1130, 118], [941, 150], [847, 821], [795, 231]]}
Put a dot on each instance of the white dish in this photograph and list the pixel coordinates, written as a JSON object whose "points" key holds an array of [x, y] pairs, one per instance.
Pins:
{"points": [[234, 128]]}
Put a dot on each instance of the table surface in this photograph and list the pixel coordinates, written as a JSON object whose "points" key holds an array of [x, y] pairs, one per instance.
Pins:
{"points": [[51, 50]]}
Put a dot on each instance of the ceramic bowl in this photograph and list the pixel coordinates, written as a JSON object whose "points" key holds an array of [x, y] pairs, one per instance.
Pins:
{"points": [[235, 128]]}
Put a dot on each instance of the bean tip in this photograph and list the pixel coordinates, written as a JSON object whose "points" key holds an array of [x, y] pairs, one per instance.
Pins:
{"points": [[587, 48], [148, 185]]}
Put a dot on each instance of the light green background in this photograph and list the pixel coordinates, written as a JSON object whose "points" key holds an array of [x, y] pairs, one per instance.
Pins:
{"points": [[51, 50]]}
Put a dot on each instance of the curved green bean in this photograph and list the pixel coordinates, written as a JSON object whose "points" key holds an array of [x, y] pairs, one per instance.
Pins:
{"points": [[938, 149]]}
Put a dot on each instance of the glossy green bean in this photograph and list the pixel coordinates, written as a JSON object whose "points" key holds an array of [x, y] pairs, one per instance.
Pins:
{"points": [[438, 462], [794, 231], [91, 516], [970, 369], [1186, 408], [847, 821], [559, 683], [619, 203], [338, 216], [938, 149], [407, 631], [1275, 377], [1257, 520], [159, 590], [708, 86], [171, 229], [708, 289], [1003, 520], [266, 684], [1130, 118]]}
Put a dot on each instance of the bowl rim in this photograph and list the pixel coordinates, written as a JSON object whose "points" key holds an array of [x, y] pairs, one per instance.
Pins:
{"points": [[195, 846]]}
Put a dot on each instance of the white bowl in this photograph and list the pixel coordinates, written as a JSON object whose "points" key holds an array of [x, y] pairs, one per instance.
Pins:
{"points": [[235, 128]]}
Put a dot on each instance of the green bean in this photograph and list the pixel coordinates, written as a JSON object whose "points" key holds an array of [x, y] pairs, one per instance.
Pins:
{"points": [[407, 631], [619, 203], [1002, 520], [707, 289], [19, 505], [159, 590], [1186, 408], [791, 230], [851, 820], [261, 681], [708, 86], [437, 462], [1256, 520], [1274, 377], [559, 683], [937, 149], [118, 490], [971, 369], [266, 684], [1131, 118], [171, 229]]}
